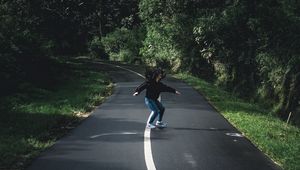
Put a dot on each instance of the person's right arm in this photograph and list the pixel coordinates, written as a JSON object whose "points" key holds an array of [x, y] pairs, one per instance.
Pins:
{"points": [[140, 88]]}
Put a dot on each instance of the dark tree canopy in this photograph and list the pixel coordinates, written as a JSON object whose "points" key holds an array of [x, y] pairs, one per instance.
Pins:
{"points": [[250, 47]]}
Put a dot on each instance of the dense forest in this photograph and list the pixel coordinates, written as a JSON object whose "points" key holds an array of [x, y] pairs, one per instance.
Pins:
{"points": [[248, 47]]}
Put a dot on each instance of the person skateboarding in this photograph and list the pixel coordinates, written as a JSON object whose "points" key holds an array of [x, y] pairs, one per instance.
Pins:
{"points": [[154, 87]]}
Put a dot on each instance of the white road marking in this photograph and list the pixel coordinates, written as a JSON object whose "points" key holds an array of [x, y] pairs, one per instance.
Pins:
{"points": [[109, 134], [190, 159], [122, 68], [147, 139], [235, 134], [147, 150]]}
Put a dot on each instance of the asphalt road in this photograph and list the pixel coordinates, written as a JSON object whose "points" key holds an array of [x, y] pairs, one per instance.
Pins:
{"points": [[197, 136]]}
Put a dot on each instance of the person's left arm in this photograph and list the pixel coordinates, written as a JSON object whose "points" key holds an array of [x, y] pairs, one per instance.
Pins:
{"points": [[165, 88]]}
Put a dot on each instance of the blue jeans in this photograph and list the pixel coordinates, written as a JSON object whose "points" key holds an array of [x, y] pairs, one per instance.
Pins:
{"points": [[157, 109]]}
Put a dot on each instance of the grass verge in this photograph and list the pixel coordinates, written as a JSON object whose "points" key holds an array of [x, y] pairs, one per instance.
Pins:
{"points": [[271, 135], [33, 118]]}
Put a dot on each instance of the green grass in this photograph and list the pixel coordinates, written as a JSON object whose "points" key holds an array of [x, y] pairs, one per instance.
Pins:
{"points": [[33, 118], [279, 141]]}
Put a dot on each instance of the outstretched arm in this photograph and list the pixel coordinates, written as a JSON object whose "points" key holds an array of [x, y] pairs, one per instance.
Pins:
{"points": [[166, 88], [140, 88]]}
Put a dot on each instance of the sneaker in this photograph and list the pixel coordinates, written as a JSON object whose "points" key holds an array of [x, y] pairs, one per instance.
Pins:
{"points": [[149, 125], [161, 124]]}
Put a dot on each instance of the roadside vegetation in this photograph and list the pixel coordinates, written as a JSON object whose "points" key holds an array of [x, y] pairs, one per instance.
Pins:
{"points": [[250, 48], [280, 141], [34, 116]]}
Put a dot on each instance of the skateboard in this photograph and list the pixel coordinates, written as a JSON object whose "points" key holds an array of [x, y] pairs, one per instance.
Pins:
{"points": [[161, 127]]}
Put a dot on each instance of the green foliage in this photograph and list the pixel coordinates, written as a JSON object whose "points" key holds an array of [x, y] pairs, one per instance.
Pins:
{"points": [[33, 31], [278, 56], [250, 46], [166, 39], [123, 44], [32, 119], [96, 48], [272, 73], [225, 35], [166, 51]]}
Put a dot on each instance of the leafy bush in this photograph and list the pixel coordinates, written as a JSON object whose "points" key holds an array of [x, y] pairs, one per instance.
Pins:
{"points": [[158, 47], [96, 48], [123, 44]]}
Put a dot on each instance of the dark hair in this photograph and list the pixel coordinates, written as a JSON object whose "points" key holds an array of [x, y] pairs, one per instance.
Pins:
{"points": [[151, 74]]}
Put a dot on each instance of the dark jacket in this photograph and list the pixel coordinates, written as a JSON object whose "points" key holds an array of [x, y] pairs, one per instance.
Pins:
{"points": [[153, 89]]}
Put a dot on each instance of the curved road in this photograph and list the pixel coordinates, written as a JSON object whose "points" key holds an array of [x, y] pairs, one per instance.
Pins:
{"points": [[197, 136]]}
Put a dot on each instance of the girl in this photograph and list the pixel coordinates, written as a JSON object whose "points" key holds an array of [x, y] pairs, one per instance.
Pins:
{"points": [[153, 88]]}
